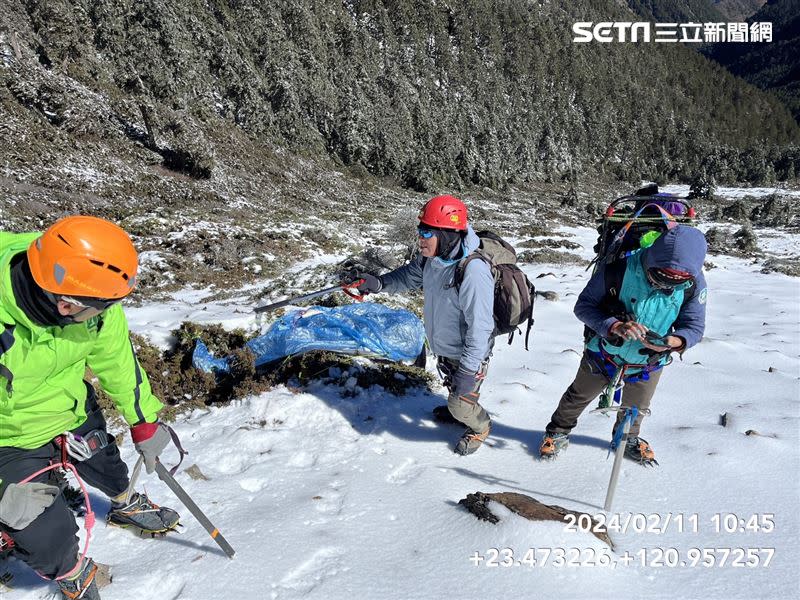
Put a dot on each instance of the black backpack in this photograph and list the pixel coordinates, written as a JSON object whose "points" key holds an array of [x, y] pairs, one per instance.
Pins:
{"points": [[513, 292]]}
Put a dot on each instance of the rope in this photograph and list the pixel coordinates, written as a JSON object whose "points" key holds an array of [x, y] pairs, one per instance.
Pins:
{"points": [[89, 519]]}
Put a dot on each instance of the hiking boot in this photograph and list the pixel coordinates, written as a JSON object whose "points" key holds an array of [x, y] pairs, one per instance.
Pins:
{"points": [[83, 586], [143, 514], [552, 444], [639, 450], [471, 441], [442, 414]]}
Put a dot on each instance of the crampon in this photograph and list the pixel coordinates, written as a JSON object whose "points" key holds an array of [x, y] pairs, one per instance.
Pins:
{"points": [[639, 450], [143, 517]]}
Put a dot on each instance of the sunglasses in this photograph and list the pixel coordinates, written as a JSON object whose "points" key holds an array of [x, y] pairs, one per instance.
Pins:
{"points": [[95, 303], [663, 281], [425, 233]]}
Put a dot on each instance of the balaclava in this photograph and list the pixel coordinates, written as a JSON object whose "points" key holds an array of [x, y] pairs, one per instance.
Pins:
{"points": [[32, 299], [449, 243]]}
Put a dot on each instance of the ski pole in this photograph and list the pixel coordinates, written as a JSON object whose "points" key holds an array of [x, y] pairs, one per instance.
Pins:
{"points": [[620, 440], [198, 514], [345, 287]]}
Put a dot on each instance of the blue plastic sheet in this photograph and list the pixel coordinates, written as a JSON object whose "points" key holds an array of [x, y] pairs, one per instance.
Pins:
{"points": [[363, 328]]}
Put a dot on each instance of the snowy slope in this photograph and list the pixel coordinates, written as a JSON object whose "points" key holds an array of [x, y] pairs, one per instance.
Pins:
{"points": [[347, 498]]}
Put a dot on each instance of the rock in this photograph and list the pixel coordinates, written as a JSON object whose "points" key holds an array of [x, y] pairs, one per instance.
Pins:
{"points": [[195, 473], [527, 507], [548, 295], [540, 275], [772, 370], [752, 432], [726, 420], [103, 576]]}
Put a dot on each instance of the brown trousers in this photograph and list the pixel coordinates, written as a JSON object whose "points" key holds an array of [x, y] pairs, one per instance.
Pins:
{"points": [[588, 384], [465, 408]]}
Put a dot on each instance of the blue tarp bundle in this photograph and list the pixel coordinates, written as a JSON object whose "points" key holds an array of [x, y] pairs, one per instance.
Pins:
{"points": [[363, 328]]}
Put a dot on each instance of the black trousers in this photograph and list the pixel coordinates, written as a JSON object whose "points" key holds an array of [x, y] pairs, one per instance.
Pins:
{"points": [[49, 543]]}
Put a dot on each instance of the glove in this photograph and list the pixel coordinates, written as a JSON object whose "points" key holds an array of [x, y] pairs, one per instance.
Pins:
{"points": [[463, 382], [150, 439], [23, 502], [372, 283], [655, 354]]}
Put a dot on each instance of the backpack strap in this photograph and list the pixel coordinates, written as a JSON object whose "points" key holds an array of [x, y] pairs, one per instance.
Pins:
{"points": [[613, 275], [530, 316], [461, 268], [610, 304]]}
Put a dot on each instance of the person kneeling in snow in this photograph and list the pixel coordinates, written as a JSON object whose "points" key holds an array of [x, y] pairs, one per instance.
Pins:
{"points": [[60, 312], [459, 321], [637, 311]]}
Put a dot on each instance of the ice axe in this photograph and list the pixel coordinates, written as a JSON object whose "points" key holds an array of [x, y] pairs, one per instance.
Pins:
{"points": [[344, 287], [164, 475], [618, 445], [620, 439]]}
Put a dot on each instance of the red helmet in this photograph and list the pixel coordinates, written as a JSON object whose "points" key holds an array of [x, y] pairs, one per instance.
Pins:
{"points": [[444, 212], [84, 256]]}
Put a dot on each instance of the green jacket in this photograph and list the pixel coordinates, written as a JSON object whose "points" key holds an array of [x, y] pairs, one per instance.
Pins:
{"points": [[42, 393]]}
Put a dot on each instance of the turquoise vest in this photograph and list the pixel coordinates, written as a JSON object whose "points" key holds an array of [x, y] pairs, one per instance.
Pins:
{"points": [[654, 309]]}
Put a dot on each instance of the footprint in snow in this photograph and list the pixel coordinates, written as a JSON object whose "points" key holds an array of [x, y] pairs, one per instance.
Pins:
{"points": [[170, 587], [303, 459], [404, 473], [330, 501], [300, 581], [253, 484]]}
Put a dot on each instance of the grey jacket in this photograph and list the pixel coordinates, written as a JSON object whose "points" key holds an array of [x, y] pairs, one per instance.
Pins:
{"points": [[458, 325]]}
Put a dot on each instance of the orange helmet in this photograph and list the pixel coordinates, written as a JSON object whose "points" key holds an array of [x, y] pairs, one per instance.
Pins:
{"points": [[444, 212], [84, 256]]}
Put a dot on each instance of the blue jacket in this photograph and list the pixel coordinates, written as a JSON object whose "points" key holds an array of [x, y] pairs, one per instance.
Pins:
{"points": [[682, 248], [458, 324]]}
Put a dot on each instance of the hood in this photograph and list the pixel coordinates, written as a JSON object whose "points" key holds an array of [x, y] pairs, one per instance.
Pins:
{"points": [[682, 247], [471, 241]]}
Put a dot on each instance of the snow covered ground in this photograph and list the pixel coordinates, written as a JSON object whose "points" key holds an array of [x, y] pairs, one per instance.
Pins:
{"points": [[350, 498], [733, 192]]}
